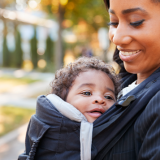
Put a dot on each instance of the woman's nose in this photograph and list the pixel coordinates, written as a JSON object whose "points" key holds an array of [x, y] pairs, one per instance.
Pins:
{"points": [[99, 100], [120, 35]]}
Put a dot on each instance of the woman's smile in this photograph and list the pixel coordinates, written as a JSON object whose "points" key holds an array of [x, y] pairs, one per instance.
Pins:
{"points": [[124, 53], [129, 56]]}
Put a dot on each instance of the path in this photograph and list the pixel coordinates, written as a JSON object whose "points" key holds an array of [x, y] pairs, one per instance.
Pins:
{"points": [[21, 95]]}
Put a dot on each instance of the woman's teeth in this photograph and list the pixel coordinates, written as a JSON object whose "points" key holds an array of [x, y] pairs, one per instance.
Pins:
{"points": [[129, 53]]}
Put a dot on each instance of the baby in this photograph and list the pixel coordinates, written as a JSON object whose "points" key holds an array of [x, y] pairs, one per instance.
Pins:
{"points": [[63, 123]]}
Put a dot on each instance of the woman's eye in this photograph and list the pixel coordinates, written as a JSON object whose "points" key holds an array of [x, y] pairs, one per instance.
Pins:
{"points": [[86, 93], [108, 97], [134, 24], [112, 24], [137, 23]]}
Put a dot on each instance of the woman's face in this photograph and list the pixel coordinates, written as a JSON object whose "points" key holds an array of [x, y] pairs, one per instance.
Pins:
{"points": [[135, 30]]}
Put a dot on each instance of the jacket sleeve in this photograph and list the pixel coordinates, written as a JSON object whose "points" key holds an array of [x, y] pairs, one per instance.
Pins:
{"points": [[36, 130], [24, 155], [147, 131]]}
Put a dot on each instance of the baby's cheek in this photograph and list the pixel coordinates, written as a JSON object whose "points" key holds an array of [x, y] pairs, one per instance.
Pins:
{"points": [[112, 103], [109, 104]]}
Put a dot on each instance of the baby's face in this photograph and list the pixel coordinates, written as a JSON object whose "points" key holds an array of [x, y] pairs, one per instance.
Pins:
{"points": [[92, 93]]}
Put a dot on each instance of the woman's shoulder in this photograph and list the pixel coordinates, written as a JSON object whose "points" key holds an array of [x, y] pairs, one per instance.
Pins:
{"points": [[153, 107], [152, 90], [147, 130], [150, 117], [154, 102]]}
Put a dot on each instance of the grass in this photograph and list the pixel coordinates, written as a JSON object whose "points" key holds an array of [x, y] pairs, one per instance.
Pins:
{"points": [[24, 80], [13, 117]]}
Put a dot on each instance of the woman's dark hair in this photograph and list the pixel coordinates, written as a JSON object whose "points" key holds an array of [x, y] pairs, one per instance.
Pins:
{"points": [[65, 77], [107, 2]]}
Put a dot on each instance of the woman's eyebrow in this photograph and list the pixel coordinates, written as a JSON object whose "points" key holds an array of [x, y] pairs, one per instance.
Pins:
{"points": [[133, 10], [130, 10]]}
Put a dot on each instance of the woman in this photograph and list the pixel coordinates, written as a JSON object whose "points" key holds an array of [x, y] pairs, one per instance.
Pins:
{"points": [[131, 130]]}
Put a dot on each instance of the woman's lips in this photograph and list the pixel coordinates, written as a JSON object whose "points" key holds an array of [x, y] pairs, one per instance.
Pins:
{"points": [[128, 56]]}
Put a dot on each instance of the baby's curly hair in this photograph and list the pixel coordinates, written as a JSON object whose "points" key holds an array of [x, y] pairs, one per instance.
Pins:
{"points": [[65, 77]]}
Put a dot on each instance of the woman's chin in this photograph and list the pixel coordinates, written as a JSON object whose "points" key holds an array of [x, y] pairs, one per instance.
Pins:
{"points": [[130, 68]]}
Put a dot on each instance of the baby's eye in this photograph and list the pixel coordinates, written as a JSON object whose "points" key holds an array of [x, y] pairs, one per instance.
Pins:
{"points": [[86, 93], [108, 97]]}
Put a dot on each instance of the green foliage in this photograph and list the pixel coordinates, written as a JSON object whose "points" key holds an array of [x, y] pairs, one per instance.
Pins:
{"points": [[49, 56], [13, 117], [70, 15], [82, 10], [6, 54], [18, 53], [15, 80], [86, 10], [34, 55]]}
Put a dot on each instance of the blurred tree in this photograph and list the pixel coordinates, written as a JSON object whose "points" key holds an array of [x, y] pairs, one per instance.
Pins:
{"points": [[18, 53], [5, 3], [34, 55], [93, 12], [49, 53], [6, 52]]}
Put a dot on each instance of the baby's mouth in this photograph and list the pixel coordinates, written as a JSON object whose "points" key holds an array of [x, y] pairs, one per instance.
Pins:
{"points": [[96, 112]]}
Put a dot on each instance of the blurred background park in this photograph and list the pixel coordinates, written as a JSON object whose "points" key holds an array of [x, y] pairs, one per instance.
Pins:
{"points": [[37, 37]]}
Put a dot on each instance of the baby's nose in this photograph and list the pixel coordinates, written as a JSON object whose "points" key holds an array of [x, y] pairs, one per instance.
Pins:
{"points": [[99, 100]]}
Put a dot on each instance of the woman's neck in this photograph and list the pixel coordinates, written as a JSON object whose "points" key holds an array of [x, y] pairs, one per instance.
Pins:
{"points": [[143, 76], [139, 80]]}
